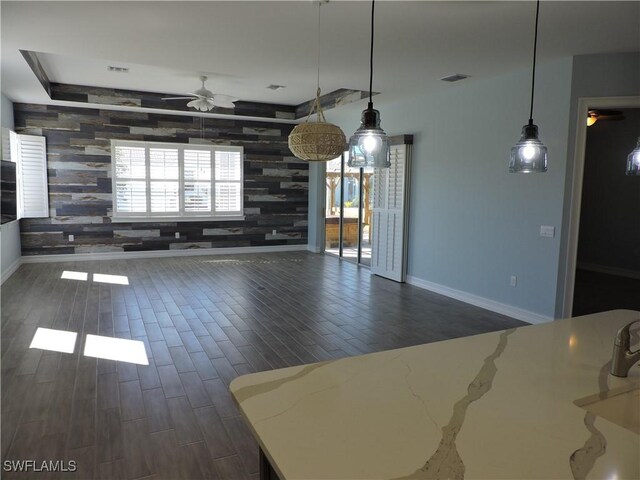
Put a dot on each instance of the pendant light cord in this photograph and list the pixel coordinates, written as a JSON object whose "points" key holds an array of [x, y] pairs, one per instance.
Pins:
{"points": [[373, 8], [535, 49], [318, 78]]}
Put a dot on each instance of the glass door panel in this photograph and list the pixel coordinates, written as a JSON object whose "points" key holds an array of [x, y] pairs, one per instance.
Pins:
{"points": [[333, 206], [367, 215], [351, 213], [348, 211]]}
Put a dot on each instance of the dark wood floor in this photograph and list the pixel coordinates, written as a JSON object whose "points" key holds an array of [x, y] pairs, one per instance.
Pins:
{"points": [[204, 320]]}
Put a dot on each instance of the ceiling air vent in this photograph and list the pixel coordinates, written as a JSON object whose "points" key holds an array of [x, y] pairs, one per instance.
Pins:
{"points": [[275, 87], [456, 77], [111, 68]]}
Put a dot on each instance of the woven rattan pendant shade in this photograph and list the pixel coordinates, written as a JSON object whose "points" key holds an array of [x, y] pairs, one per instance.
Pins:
{"points": [[318, 141]]}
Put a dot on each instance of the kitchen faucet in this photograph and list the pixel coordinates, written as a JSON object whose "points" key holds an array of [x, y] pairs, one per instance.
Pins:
{"points": [[623, 358]]}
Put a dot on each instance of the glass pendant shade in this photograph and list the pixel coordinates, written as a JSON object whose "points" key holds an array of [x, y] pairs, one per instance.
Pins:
{"points": [[633, 160], [529, 155], [369, 145]]}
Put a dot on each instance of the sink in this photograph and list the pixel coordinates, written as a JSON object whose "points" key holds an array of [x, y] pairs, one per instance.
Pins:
{"points": [[620, 406]]}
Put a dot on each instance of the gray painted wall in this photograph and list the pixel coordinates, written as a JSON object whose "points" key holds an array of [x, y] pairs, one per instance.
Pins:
{"points": [[609, 218], [472, 224], [603, 75], [9, 232]]}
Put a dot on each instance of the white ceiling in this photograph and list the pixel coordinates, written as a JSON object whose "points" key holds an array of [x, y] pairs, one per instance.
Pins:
{"points": [[245, 46]]}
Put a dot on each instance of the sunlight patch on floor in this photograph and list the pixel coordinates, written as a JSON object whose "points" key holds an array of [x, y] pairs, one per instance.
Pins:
{"points": [[120, 349], [54, 340]]}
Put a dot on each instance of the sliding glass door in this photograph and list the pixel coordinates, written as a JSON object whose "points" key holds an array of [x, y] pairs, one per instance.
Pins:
{"points": [[348, 211]]}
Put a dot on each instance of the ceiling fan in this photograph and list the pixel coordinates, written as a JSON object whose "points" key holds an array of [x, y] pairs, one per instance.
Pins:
{"points": [[205, 100], [599, 114]]}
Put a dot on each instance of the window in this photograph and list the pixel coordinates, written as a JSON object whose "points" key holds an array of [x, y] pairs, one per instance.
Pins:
{"points": [[29, 152], [176, 181]]}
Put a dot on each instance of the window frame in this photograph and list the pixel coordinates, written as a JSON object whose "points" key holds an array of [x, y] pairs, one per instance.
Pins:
{"points": [[181, 215]]}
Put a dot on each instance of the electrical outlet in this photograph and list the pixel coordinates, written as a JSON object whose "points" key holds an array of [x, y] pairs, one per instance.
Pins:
{"points": [[177, 234], [274, 232], [71, 238], [513, 281]]}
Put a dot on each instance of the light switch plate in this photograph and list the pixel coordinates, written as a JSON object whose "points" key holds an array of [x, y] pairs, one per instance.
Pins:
{"points": [[547, 231], [71, 238], [177, 234]]}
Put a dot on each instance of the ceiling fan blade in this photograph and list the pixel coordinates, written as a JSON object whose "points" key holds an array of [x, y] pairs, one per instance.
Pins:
{"points": [[176, 98], [197, 95], [224, 101]]}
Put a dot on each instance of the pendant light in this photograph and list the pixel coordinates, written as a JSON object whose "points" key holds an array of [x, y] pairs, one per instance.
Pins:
{"points": [[369, 145], [633, 160], [530, 154], [317, 141]]}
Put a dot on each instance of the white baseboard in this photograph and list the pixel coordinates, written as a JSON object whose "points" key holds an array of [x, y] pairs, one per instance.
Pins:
{"points": [[10, 271], [79, 257], [314, 249], [492, 305], [620, 272]]}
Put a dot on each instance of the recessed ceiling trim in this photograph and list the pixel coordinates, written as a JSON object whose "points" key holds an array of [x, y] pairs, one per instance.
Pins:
{"points": [[342, 96], [120, 98], [37, 69]]}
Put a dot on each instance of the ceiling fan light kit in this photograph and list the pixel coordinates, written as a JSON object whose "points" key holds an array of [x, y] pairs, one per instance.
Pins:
{"points": [[317, 141], [529, 155], [369, 146]]}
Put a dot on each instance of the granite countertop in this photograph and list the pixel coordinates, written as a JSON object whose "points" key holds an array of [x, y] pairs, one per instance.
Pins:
{"points": [[493, 406]]}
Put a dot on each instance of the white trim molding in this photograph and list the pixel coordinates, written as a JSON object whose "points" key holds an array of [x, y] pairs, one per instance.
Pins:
{"points": [[482, 302], [11, 270], [571, 257], [194, 252]]}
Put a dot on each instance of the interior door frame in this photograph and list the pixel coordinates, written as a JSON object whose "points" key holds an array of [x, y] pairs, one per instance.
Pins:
{"points": [[584, 104]]}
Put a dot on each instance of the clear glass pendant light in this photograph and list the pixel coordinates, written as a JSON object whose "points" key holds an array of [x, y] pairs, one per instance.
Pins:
{"points": [[369, 145], [529, 155], [633, 160]]}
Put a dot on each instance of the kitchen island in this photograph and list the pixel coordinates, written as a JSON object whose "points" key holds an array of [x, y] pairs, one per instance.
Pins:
{"points": [[502, 405]]}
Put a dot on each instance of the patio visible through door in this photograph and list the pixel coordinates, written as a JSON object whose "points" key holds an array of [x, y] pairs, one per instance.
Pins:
{"points": [[348, 211]]}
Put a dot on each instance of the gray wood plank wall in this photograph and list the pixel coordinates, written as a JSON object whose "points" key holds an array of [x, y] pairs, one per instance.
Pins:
{"points": [[80, 197]]}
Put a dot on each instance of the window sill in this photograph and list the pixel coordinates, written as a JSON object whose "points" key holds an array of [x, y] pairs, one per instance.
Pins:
{"points": [[219, 218]]}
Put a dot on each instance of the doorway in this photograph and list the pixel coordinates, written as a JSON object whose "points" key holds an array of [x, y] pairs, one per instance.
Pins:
{"points": [[607, 256], [348, 229]]}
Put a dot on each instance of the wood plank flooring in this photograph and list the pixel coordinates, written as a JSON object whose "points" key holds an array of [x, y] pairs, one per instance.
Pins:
{"points": [[204, 321]]}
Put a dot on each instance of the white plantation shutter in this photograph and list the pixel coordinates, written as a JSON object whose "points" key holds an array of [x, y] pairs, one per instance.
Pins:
{"points": [[33, 191], [164, 173], [130, 174], [131, 196], [228, 181], [197, 181], [176, 180], [390, 200]]}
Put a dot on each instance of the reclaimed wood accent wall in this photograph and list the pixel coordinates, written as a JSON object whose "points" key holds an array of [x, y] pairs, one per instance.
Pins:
{"points": [[80, 192]]}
